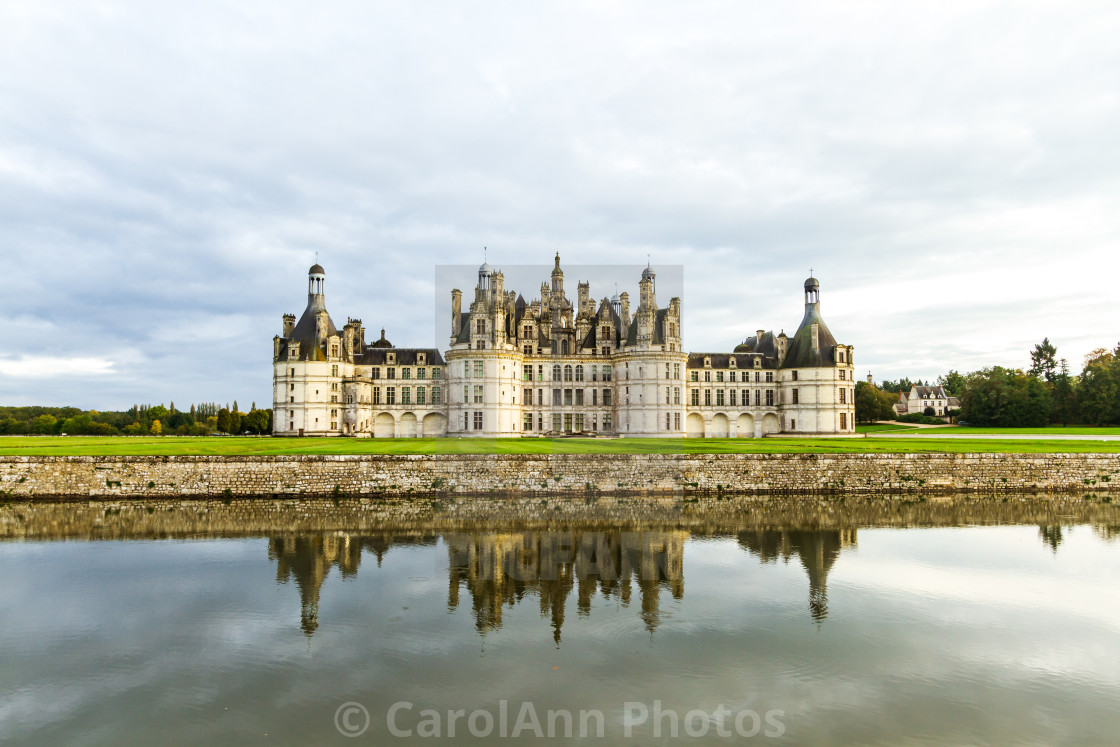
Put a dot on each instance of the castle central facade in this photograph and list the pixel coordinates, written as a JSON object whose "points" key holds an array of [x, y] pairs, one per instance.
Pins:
{"points": [[555, 366]]}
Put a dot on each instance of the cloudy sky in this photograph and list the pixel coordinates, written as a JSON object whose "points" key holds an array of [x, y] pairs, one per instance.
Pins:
{"points": [[169, 170]]}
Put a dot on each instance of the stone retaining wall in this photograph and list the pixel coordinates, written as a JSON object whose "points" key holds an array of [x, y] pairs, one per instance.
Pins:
{"points": [[571, 474]]}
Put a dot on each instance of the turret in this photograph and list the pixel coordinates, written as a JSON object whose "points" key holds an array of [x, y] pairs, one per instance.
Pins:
{"points": [[647, 308], [557, 278], [484, 274], [647, 288], [813, 345], [812, 291], [316, 278]]}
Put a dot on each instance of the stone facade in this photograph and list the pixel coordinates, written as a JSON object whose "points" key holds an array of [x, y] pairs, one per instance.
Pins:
{"points": [[557, 366], [571, 474]]}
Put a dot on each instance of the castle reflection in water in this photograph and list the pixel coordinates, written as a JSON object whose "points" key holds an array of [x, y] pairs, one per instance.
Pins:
{"points": [[501, 569]]}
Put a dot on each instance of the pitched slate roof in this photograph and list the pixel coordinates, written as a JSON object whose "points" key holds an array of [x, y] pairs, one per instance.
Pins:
{"points": [[743, 361], [405, 356]]}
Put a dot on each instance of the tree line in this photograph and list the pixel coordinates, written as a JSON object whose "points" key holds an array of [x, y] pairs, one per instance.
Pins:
{"points": [[202, 419], [1046, 393]]}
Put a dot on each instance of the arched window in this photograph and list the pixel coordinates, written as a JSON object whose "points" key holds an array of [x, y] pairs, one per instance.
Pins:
{"points": [[563, 347], [579, 373], [567, 373], [556, 372]]}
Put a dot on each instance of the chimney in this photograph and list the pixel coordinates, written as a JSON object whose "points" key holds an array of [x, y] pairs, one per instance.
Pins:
{"points": [[456, 311], [758, 335], [289, 324], [348, 338]]}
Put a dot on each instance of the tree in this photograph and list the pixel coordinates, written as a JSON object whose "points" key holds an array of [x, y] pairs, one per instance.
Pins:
{"points": [[43, 424], [1004, 397], [1099, 388], [873, 403], [79, 425], [156, 429], [223, 420], [952, 383], [1065, 396], [159, 412], [1043, 364], [929, 412], [179, 419], [902, 385]]}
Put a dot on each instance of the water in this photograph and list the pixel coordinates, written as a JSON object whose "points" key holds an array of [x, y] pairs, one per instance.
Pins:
{"points": [[836, 634]]}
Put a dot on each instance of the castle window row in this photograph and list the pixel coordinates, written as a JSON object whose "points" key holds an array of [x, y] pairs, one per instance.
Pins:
{"points": [[422, 396], [405, 373], [731, 376], [744, 397], [571, 422]]}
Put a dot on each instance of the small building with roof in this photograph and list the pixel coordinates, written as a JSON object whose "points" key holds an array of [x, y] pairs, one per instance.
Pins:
{"points": [[921, 397]]}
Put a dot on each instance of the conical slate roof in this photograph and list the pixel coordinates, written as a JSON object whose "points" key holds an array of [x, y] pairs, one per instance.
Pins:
{"points": [[801, 353], [304, 330]]}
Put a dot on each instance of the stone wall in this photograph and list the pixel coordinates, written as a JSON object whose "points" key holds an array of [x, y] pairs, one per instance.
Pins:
{"points": [[570, 474]]}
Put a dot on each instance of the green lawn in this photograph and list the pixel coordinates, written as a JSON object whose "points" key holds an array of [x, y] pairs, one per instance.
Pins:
{"points": [[1054, 430], [176, 445], [884, 428]]}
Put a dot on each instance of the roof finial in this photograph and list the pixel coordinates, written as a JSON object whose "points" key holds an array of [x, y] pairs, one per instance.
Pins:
{"points": [[484, 260], [648, 261]]}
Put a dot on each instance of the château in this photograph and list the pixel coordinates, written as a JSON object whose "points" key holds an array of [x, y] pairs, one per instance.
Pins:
{"points": [[557, 366]]}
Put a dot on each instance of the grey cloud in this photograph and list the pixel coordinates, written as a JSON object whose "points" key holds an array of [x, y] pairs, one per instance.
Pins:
{"points": [[166, 174]]}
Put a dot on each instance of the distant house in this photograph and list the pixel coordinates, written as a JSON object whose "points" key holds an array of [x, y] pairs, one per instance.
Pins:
{"points": [[921, 397]]}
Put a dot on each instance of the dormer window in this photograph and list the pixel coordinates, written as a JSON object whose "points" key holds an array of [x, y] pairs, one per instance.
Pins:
{"points": [[707, 363], [390, 358], [731, 361], [757, 362], [421, 358]]}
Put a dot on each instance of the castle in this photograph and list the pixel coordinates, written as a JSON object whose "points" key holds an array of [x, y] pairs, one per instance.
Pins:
{"points": [[553, 367]]}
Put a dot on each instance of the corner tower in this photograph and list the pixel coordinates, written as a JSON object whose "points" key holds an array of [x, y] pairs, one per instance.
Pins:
{"points": [[817, 375]]}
